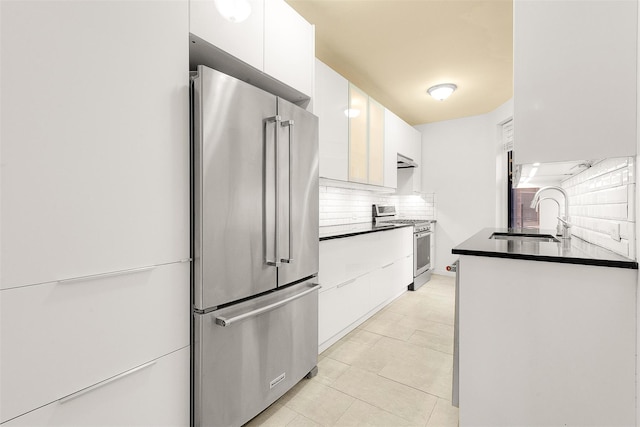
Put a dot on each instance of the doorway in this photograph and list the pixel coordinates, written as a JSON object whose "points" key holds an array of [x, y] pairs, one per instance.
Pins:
{"points": [[520, 213]]}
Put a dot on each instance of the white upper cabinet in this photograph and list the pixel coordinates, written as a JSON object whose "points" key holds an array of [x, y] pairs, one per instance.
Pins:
{"points": [[391, 133], [273, 39], [330, 105], [244, 40], [95, 138], [289, 46], [376, 143], [574, 79], [407, 141]]}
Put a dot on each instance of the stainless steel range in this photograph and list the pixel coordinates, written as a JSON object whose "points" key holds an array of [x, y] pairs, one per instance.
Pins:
{"points": [[422, 233]]}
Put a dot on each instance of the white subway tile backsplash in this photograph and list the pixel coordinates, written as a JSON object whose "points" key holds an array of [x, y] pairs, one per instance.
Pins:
{"points": [[602, 205], [345, 206]]}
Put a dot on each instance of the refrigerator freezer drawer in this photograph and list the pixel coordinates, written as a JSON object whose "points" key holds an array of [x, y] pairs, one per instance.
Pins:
{"points": [[269, 345]]}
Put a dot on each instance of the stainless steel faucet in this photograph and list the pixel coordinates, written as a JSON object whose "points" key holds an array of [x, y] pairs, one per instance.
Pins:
{"points": [[563, 222], [559, 225]]}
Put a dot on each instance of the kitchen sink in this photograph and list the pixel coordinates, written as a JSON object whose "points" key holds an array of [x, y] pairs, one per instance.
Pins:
{"points": [[524, 237]]}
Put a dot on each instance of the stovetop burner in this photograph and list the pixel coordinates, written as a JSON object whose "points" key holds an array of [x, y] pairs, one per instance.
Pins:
{"points": [[382, 214], [407, 221]]}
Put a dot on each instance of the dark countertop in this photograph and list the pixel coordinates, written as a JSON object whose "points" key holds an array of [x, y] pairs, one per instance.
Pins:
{"points": [[572, 251], [347, 230]]}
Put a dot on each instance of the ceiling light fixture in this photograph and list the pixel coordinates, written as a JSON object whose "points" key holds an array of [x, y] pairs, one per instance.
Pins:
{"points": [[442, 91], [234, 10]]}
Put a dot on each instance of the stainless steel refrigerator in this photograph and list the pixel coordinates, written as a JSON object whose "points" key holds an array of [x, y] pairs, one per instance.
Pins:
{"points": [[255, 248]]}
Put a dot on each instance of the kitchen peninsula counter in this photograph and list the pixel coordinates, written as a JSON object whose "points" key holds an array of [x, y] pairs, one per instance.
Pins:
{"points": [[348, 230], [551, 326], [569, 251]]}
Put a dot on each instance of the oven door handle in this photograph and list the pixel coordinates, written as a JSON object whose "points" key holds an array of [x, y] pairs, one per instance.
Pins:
{"points": [[422, 234]]}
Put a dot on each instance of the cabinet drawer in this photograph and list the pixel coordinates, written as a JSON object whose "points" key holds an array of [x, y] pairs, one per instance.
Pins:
{"points": [[391, 280], [152, 394], [58, 338], [403, 272], [382, 285], [344, 259], [342, 305]]}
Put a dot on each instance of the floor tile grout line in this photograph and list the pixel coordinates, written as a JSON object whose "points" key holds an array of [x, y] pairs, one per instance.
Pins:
{"points": [[388, 379], [410, 386]]}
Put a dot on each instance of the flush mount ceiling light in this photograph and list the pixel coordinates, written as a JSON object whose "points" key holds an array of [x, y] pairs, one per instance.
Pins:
{"points": [[442, 91], [234, 10]]}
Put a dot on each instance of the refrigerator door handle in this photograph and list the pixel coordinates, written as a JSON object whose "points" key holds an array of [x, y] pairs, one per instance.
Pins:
{"points": [[276, 259], [228, 321], [289, 124]]}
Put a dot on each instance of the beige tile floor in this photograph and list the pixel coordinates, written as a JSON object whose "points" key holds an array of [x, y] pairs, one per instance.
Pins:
{"points": [[393, 370]]}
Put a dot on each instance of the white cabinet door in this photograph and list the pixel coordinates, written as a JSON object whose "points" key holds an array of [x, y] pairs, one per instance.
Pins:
{"points": [[574, 80], [244, 40], [404, 272], [409, 139], [416, 141], [153, 394], [330, 105], [58, 338], [391, 144], [95, 138], [289, 50], [376, 149]]}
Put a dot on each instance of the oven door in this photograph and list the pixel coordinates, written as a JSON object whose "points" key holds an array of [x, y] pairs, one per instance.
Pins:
{"points": [[421, 252]]}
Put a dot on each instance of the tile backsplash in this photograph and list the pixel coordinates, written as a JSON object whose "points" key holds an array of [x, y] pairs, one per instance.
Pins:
{"points": [[349, 206], [602, 205]]}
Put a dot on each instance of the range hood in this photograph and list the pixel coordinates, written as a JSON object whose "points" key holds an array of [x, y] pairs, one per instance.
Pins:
{"points": [[406, 162]]}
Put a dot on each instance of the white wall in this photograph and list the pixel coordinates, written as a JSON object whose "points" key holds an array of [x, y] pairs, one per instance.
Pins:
{"points": [[459, 165]]}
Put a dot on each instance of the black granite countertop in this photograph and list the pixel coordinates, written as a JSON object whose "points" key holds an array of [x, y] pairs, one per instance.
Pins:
{"points": [[570, 251], [347, 230]]}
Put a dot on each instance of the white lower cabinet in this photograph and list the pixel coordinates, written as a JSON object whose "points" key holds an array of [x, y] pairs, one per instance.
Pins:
{"points": [[360, 275], [61, 337], [342, 305], [155, 393], [403, 271], [546, 343]]}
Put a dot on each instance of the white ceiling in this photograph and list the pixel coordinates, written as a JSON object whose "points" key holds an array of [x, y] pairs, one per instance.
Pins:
{"points": [[396, 49]]}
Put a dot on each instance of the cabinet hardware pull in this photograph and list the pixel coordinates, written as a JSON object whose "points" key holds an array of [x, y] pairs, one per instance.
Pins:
{"points": [[105, 382], [223, 321], [346, 283], [103, 275]]}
